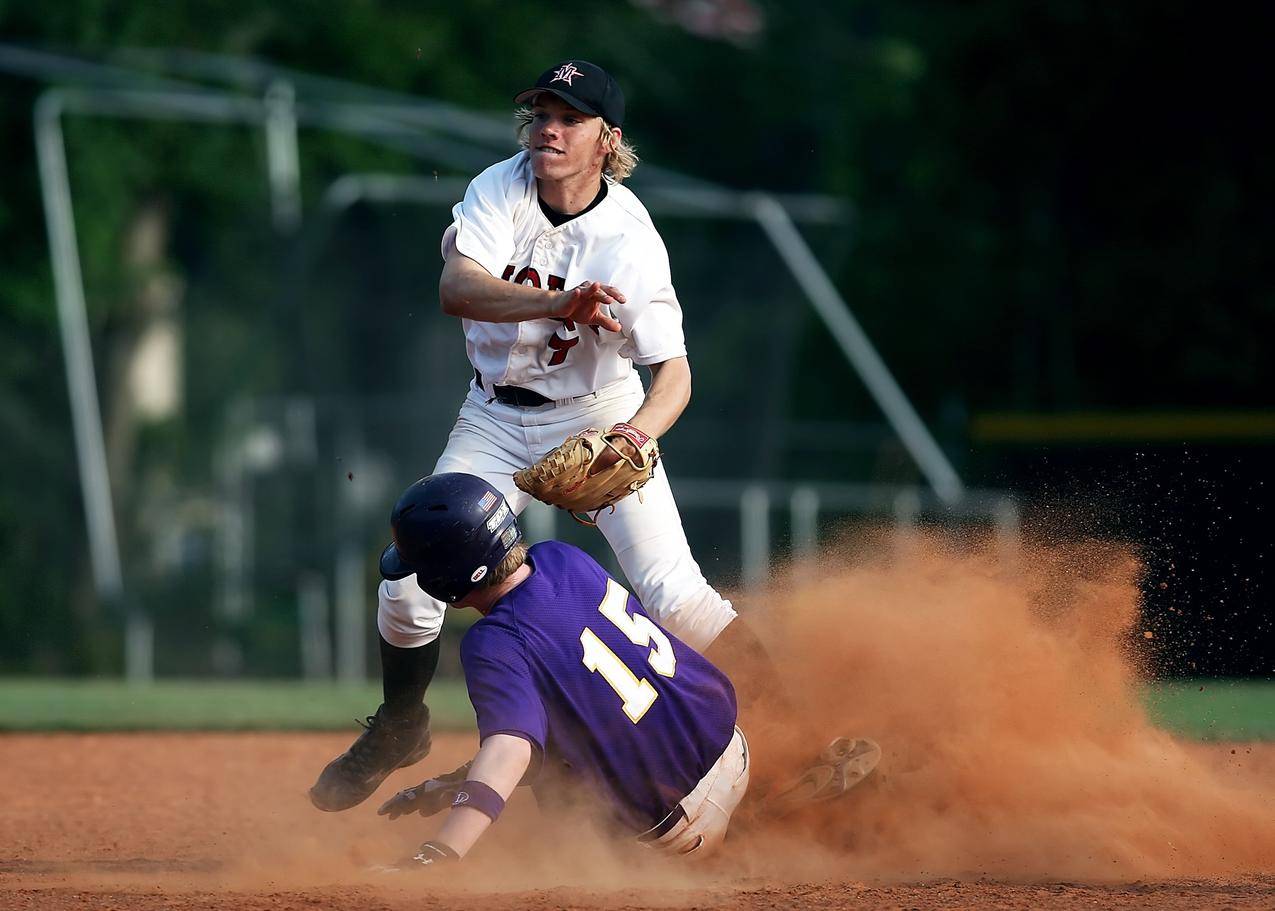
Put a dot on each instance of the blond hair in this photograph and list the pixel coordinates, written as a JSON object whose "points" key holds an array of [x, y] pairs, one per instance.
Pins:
{"points": [[619, 161], [507, 567]]}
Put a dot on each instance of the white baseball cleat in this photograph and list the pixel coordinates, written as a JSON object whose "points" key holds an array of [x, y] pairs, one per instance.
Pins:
{"points": [[843, 764]]}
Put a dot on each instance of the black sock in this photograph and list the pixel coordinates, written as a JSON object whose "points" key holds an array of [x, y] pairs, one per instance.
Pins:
{"points": [[405, 675]]}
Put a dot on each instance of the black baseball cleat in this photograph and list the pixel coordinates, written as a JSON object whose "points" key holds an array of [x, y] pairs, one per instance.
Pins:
{"points": [[387, 743]]}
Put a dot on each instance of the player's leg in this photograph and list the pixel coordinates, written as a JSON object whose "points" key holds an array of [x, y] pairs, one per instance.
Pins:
{"points": [[709, 807], [651, 547], [396, 736], [646, 533], [645, 530], [653, 552], [650, 544], [479, 444], [408, 622]]}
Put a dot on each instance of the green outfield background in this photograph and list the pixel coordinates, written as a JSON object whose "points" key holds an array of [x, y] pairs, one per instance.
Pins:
{"points": [[1203, 709]]}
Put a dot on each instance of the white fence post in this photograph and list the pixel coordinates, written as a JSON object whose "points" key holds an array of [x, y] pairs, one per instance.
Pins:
{"points": [[804, 506], [283, 161], [754, 527], [351, 620], [312, 616]]}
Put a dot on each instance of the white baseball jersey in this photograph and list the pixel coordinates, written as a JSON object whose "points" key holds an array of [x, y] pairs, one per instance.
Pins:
{"points": [[501, 226]]}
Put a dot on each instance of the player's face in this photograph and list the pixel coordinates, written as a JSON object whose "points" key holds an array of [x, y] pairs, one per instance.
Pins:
{"points": [[563, 142]]}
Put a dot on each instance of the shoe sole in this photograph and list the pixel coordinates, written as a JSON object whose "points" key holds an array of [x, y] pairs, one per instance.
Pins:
{"points": [[842, 765], [354, 799]]}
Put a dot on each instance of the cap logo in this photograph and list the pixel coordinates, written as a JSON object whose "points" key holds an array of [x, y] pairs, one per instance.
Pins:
{"points": [[478, 574], [565, 73]]}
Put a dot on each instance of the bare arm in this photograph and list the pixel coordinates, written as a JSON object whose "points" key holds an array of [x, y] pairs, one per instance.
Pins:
{"points": [[466, 289], [500, 764], [666, 399]]}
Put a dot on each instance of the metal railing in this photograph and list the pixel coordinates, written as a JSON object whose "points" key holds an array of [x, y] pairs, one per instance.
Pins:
{"points": [[808, 503], [397, 123]]}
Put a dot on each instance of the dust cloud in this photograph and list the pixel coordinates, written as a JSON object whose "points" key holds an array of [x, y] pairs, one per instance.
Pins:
{"points": [[1003, 692], [1005, 695]]}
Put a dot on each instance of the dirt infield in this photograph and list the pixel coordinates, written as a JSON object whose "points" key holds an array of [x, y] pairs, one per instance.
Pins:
{"points": [[221, 821], [1020, 770]]}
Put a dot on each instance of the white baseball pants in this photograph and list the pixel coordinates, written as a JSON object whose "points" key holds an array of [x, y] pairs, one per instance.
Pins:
{"points": [[493, 441], [708, 808]]}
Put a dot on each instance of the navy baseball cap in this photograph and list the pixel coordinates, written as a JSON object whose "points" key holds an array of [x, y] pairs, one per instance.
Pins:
{"points": [[583, 85], [450, 530]]}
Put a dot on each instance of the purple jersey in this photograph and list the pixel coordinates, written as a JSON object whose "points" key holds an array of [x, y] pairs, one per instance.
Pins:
{"points": [[571, 662]]}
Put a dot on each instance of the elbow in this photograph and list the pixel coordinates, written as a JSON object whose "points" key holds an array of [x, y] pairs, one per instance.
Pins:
{"points": [[686, 386], [449, 301], [684, 396]]}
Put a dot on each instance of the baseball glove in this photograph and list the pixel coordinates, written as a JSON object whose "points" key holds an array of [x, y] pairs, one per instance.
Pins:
{"points": [[570, 478]]}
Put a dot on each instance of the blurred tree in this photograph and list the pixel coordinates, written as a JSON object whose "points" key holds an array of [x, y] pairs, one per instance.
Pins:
{"points": [[1060, 205]]}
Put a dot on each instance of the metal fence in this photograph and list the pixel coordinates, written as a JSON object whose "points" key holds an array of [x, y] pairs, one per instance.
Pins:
{"points": [[275, 522]]}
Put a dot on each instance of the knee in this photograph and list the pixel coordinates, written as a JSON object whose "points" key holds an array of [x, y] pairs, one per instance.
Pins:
{"points": [[406, 617], [695, 617]]}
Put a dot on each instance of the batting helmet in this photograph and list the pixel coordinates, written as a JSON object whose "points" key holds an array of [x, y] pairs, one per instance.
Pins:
{"points": [[451, 530]]}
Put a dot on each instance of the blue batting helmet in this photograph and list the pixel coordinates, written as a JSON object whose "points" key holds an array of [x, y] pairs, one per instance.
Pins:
{"points": [[451, 530]]}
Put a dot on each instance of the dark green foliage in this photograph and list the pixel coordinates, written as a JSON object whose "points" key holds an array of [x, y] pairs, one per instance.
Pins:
{"points": [[1059, 205]]}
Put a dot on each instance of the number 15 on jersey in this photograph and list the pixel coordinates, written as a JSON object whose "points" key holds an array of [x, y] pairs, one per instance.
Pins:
{"points": [[636, 693]]}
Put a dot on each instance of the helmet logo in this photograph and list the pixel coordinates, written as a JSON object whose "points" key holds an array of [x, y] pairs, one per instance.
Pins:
{"points": [[478, 575], [493, 522], [487, 502]]}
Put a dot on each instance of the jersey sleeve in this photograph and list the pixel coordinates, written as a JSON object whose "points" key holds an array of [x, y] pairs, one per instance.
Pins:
{"points": [[501, 687], [484, 219], [651, 317]]}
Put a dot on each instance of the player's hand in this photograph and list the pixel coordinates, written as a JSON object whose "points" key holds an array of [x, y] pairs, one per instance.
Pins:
{"points": [[428, 855], [427, 798], [583, 305], [609, 456]]}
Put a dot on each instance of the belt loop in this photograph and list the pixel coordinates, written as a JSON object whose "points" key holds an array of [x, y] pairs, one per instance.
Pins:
{"points": [[576, 399]]}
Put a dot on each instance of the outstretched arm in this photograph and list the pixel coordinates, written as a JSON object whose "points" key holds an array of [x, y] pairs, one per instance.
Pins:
{"points": [[467, 290], [500, 764]]}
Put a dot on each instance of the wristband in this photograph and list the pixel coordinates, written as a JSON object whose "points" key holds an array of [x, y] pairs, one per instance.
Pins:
{"points": [[481, 797]]}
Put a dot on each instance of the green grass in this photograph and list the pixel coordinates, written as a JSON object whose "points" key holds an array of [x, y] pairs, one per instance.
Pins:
{"points": [[1215, 709], [1222, 710], [28, 704]]}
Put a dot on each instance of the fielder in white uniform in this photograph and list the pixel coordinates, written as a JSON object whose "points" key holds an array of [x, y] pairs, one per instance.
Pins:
{"points": [[586, 374], [562, 285]]}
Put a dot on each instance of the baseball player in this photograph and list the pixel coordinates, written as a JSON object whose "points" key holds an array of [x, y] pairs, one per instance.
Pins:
{"points": [[562, 286], [565, 670]]}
